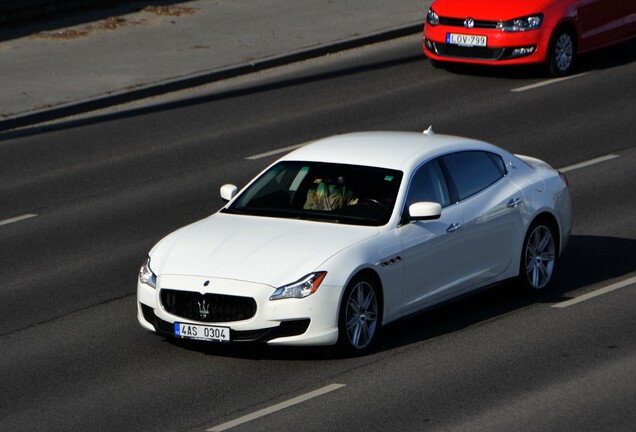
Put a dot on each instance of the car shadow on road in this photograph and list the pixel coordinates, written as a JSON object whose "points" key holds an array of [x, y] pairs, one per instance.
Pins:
{"points": [[255, 351], [614, 56], [589, 261], [36, 128], [618, 55]]}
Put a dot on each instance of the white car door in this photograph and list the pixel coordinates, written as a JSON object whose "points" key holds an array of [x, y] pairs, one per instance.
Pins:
{"points": [[433, 248], [490, 206], [430, 257]]}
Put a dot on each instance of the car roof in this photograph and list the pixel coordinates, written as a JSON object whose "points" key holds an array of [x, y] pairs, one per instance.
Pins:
{"points": [[394, 150]]}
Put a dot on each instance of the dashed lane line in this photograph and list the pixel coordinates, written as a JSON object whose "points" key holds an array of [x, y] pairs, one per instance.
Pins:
{"points": [[17, 219], [274, 408], [274, 152], [546, 83], [588, 163], [596, 293]]}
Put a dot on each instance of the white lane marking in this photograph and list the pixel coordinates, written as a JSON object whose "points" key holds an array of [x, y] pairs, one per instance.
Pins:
{"points": [[274, 152], [588, 163], [596, 293], [17, 219], [274, 408], [545, 83]]}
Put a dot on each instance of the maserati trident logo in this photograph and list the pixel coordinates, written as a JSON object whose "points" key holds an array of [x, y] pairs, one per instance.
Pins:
{"points": [[469, 23], [204, 309]]}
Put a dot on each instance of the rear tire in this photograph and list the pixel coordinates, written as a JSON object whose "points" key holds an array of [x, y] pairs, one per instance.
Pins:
{"points": [[538, 257], [360, 317]]}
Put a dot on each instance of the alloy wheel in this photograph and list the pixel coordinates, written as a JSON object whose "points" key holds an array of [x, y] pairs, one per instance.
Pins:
{"points": [[563, 52], [540, 255], [361, 316]]}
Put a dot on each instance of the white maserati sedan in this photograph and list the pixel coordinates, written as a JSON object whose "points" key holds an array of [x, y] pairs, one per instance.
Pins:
{"points": [[348, 233]]}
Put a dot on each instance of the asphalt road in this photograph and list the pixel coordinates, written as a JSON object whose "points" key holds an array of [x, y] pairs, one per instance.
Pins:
{"points": [[93, 195]]}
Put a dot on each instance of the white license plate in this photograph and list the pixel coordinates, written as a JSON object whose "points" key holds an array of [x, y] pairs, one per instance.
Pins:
{"points": [[466, 40], [202, 332]]}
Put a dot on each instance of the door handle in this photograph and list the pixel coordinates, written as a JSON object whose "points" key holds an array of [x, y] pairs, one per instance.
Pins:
{"points": [[453, 227], [514, 202]]}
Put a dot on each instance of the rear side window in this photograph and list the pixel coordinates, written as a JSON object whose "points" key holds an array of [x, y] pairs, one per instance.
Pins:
{"points": [[473, 171]]}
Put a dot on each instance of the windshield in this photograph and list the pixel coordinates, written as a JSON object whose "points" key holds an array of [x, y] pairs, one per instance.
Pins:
{"points": [[338, 193]]}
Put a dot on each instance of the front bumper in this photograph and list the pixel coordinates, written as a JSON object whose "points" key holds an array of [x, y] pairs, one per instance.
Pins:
{"points": [[502, 48], [309, 321]]}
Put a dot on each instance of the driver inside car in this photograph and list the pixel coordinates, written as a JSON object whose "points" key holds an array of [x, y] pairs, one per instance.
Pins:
{"points": [[326, 194]]}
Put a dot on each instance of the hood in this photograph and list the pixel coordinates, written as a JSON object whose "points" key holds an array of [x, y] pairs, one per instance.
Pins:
{"points": [[254, 249], [489, 10]]}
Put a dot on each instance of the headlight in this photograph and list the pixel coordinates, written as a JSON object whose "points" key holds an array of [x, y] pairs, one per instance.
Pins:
{"points": [[432, 18], [521, 24], [300, 289], [146, 275]]}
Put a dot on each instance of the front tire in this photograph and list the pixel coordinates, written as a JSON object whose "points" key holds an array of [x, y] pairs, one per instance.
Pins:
{"points": [[538, 257], [562, 53], [435, 63], [360, 316]]}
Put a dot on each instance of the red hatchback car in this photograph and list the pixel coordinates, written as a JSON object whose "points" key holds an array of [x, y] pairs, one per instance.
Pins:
{"points": [[511, 32]]}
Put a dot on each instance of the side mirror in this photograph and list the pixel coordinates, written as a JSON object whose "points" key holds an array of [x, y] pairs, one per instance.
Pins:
{"points": [[425, 210], [228, 191]]}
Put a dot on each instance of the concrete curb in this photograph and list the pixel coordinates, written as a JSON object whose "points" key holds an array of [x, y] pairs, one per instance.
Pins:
{"points": [[182, 83]]}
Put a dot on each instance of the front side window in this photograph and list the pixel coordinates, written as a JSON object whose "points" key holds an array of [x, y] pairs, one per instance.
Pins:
{"points": [[327, 192], [428, 184], [473, 171]]}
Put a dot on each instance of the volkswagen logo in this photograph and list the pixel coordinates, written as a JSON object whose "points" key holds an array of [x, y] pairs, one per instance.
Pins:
{"points": [[469, 23]]}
